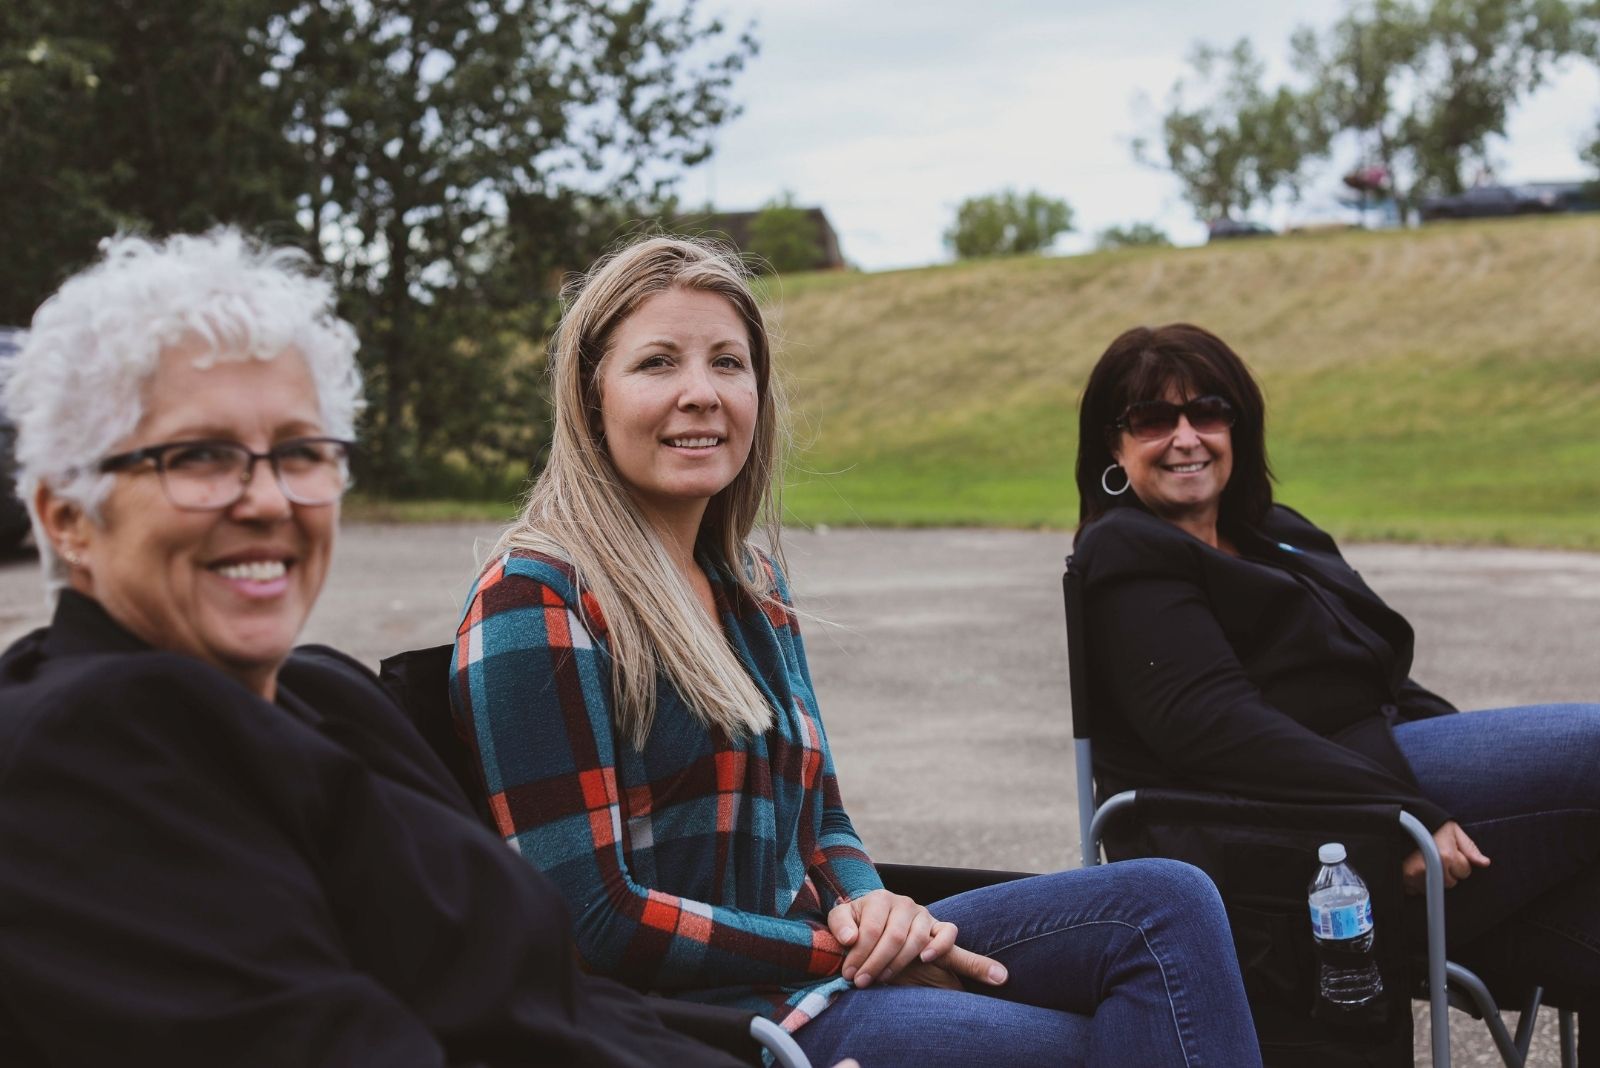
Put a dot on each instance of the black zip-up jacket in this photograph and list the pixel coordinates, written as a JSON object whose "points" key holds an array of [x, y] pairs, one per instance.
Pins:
{"points": [[191, 875], [1276, 674]]}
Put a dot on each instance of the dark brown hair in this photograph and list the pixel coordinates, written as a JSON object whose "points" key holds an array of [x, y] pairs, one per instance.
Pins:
{"points": [[1139, 366]]}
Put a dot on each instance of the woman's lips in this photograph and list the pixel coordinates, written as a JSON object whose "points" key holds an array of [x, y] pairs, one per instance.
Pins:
{"points": [[1188, 468]]}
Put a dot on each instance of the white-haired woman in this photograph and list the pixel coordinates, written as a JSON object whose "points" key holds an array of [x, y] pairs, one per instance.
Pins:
{"points": [[213, 852], [632, 671]]}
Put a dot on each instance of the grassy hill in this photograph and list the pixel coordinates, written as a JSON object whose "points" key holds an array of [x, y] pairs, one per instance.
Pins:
{"points": [[1439, 385]]}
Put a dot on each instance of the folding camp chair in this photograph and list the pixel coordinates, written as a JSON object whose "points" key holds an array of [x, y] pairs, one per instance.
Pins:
{"points": [[1448, 983], [419, 681]]}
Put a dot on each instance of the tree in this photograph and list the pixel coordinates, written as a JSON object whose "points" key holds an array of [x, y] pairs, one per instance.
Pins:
{"points": [[1007, 223], [1428, 85], [131, 114], [447, 159], [442, 143], [783, 237], [1239, 144], [1133, 235]]}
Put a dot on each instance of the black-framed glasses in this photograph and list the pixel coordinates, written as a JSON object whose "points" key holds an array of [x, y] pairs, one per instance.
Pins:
{"points": [[203, 476], [1150, 420]]}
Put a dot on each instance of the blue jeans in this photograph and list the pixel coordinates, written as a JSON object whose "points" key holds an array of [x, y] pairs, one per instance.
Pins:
{"points": [[1126, 964], [1524, 783]]}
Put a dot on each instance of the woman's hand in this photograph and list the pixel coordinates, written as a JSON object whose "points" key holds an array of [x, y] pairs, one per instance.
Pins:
{"points": [[892, 938], [948, 971], [884, 933], [1458, 855]]}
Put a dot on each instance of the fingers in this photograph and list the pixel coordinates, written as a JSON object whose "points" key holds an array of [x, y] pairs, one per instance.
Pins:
{"points": [[896, 930], [1470, 848], [974, 966], [842, 923], [942, 938], [872, 915], [911, 950]]}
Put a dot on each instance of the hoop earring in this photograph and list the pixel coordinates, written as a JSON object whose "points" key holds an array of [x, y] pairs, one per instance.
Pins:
{"points": [[1106, 474]]}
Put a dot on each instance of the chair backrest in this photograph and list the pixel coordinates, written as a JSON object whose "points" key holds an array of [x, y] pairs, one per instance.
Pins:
{"points": [[419, 681], [1082, 707]]}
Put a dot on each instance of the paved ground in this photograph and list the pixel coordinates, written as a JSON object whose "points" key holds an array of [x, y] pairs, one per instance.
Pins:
{"points": [[939, 662]]}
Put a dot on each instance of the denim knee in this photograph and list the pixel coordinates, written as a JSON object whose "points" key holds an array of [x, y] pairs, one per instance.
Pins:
{"points": [[1180, 887]]}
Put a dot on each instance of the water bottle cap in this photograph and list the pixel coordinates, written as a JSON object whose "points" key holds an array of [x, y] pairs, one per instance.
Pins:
{"points": [[1331, 853]]}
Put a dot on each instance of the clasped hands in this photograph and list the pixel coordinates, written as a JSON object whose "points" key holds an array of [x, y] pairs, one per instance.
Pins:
{"points": [[889, 938]]}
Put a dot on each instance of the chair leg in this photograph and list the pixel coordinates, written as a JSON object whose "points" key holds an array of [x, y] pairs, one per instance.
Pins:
{"points": [[1569, 1039], [1468, 981], [1525, 1022]]}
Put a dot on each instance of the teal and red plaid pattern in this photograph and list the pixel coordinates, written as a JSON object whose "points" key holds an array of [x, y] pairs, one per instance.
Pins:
{"points": [[703, 866]]}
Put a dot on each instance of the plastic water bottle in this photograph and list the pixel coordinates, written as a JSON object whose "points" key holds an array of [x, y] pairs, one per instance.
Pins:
{"points": [[1349, 988]]}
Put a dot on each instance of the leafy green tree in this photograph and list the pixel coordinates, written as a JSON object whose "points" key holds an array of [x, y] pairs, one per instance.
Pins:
{"points": [[1427, 86], [135, 114], [443, 143], [1007, 223], [448, 159], [1133, 235], [1229, 141], [783, 238]]}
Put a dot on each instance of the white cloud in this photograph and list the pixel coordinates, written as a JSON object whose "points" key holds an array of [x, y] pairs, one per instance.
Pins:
{"points": [[888, 115]]}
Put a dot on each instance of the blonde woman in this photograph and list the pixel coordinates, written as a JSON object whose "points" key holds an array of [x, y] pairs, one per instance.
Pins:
{"points": [[631, 670]]}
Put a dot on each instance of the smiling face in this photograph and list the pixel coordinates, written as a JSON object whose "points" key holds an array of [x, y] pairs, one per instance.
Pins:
{"points": [[678, 403], [232, 587], [1179, 476]]}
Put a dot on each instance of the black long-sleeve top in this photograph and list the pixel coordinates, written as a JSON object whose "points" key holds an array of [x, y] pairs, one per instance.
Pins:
{"points": [[1274, 674], [191, 875]]}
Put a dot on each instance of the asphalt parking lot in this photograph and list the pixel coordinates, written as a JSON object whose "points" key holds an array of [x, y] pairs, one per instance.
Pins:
{"points": [[939, 662]]}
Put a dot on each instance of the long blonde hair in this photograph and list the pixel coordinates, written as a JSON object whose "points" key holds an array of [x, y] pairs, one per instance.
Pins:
{"points": [[579, 509]]}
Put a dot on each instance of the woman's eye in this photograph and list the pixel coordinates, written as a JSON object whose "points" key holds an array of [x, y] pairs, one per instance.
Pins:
{"points": [[199, 456], [729, 362], [652, 362]]}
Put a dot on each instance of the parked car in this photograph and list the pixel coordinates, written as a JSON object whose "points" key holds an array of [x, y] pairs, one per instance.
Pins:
{"points": [[13, 513], [1228, 229], [1491, 201]]}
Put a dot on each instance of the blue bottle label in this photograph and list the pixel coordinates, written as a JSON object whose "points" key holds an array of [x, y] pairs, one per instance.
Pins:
{"points": [[1340, 922]]}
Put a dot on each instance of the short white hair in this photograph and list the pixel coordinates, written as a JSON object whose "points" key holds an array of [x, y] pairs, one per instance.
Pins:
{"points": [[75, 388]]}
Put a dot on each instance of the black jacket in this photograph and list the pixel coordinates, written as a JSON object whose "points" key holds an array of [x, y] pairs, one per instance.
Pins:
{"points": [[1276, 674], [190, 875]]}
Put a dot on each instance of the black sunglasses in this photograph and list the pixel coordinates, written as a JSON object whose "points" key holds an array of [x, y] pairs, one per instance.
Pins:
{"points": [[1149, 420]]}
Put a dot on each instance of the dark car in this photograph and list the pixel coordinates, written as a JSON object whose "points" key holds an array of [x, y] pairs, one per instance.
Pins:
{"points": [[1491, 201], [13, 514], [1229, 229]]}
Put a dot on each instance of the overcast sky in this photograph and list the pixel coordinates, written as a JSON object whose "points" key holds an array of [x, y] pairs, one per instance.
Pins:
{"points": [[888, 114]]}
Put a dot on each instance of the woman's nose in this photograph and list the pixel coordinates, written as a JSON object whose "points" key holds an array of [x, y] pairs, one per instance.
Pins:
{"points": [[699, 389], [1185, 435]]}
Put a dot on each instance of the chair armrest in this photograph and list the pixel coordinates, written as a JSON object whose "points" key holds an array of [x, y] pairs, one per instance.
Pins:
{"points": [[715, 1025], [925, 883]]}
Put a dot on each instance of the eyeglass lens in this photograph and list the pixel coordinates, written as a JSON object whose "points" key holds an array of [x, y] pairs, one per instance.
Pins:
{"points": [[206, 475], [1155, 419]]}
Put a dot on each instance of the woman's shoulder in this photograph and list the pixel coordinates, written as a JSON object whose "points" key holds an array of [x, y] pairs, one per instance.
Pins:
{"points": [[522, 578], [1129, 537], [113, 697]]}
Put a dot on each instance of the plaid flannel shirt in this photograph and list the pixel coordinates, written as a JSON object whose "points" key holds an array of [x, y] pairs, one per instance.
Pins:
{"points": [[703, 866]]}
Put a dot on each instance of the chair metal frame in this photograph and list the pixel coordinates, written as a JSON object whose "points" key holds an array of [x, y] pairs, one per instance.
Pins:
{"points": [[1449, 984]]}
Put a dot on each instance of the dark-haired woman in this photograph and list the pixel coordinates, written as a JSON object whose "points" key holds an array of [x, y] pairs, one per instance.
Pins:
{"points": [[1237, 651]]}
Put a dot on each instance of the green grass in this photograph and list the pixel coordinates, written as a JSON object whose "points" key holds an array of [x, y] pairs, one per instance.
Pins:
{"points": [[1440, 385]]}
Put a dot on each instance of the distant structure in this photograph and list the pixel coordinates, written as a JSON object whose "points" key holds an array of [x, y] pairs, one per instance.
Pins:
{"points": [[734, 227]]}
